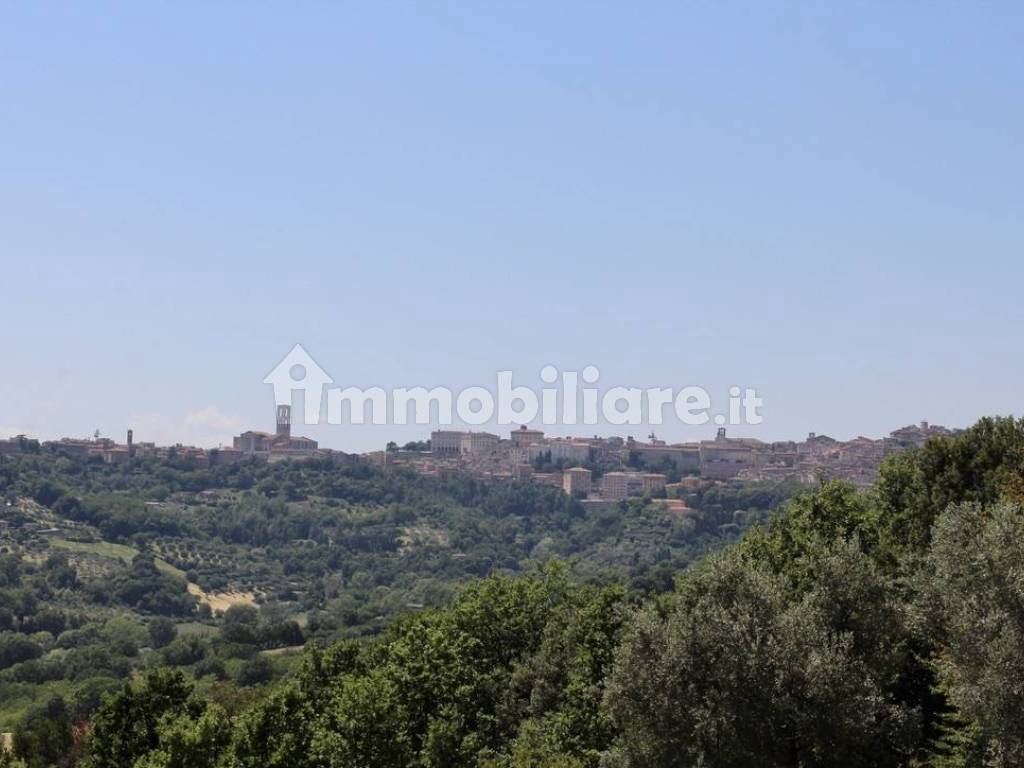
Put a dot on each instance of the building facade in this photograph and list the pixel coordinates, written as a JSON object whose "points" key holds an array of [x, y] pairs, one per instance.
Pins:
{"points": [[446, 442], [474, 443], [576, 481]]}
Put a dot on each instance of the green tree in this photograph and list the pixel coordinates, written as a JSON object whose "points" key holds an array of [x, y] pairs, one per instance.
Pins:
{"points": [[127, 726], [915, 487], [45, 737], [188, 743], [161, 632], [279, 732], [8, 760], [739, 672], [16, 648], [255, 671], [972, 603], [367, 726]]}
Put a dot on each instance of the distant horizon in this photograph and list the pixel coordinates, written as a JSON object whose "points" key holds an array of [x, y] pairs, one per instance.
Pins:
{"points": [[268, 428]]}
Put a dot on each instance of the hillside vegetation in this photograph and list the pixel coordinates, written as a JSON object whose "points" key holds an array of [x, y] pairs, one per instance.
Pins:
{"points": [[876, 628], [225, 574]]}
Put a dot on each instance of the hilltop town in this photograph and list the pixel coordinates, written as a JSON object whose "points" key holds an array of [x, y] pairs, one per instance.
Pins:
{"points": [[276, 446], [596, 470], [599, 470]]}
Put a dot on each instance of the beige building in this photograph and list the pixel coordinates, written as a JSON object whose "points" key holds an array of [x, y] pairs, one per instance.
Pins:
{"points": [[576, 480], [473, 443], [220, 456], [446, 442], [673, 506], [280, 444], [685, 458], [653, 483], [253, 442], [564, 450], [615, 485], [722, 458], [524, 436], [118, 455], [294, 445]]}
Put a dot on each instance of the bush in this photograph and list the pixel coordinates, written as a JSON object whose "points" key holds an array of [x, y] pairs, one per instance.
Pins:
{"points": [[256, 671], [184, 651], [161, 632], [16, 648], [211, 665]]}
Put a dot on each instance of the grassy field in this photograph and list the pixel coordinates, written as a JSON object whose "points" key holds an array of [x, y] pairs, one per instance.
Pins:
{"points": [[291, 650], [102, 548], [113, 551], [221, 601], [169, 569], [195, 629]]}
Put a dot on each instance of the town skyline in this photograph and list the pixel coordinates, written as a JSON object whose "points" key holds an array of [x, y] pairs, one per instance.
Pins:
{"points": [[229, 427], [481, 447]]}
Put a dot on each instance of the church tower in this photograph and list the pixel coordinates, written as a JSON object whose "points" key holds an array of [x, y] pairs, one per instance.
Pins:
{"points": [[284, 421]]}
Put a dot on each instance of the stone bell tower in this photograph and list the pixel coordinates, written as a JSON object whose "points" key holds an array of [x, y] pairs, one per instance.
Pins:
{"points": [[284, 421]]}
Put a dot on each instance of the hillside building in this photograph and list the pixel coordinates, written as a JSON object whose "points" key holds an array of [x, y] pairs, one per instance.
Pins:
{"points": [[576, 481]]}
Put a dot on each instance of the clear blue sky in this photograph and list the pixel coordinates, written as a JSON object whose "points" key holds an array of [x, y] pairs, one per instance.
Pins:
{"points": [[821, 202]]}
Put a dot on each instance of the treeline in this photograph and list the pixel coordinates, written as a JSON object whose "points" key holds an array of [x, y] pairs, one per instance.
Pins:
{"points": [[879, 628]]}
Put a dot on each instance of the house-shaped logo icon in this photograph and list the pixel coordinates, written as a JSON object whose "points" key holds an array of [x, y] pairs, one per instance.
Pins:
{"points": [[298, 371]]}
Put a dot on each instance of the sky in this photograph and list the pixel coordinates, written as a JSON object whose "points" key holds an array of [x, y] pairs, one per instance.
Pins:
{"points": [[819, 200]]}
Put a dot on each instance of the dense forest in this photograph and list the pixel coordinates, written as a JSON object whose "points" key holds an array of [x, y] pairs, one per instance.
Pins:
{"points": [[882, 627]]}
